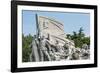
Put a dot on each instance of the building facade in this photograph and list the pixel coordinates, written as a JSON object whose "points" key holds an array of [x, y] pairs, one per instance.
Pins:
{"points": [[54, 30]]}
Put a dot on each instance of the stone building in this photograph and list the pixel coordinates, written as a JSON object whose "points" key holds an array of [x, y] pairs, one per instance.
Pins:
{"points": [[54, 30]]}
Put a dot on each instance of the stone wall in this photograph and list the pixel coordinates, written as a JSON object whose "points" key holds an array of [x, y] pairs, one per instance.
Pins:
{"points": [[54, 30]]}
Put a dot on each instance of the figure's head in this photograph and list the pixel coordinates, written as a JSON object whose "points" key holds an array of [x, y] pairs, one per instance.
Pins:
{"points": [[41, 37], [66, 45], [57, 42]]}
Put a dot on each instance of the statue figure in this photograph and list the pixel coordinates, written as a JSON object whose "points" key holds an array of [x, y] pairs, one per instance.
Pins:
{"points": [[44, 49], [85, 52], [34, 56]]}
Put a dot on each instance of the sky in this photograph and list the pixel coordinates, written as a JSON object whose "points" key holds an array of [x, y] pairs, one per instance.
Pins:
{"points": [[72, 21]]}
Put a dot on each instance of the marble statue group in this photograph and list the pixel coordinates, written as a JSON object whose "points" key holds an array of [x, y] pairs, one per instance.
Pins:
{"points": [[43, 50]]}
